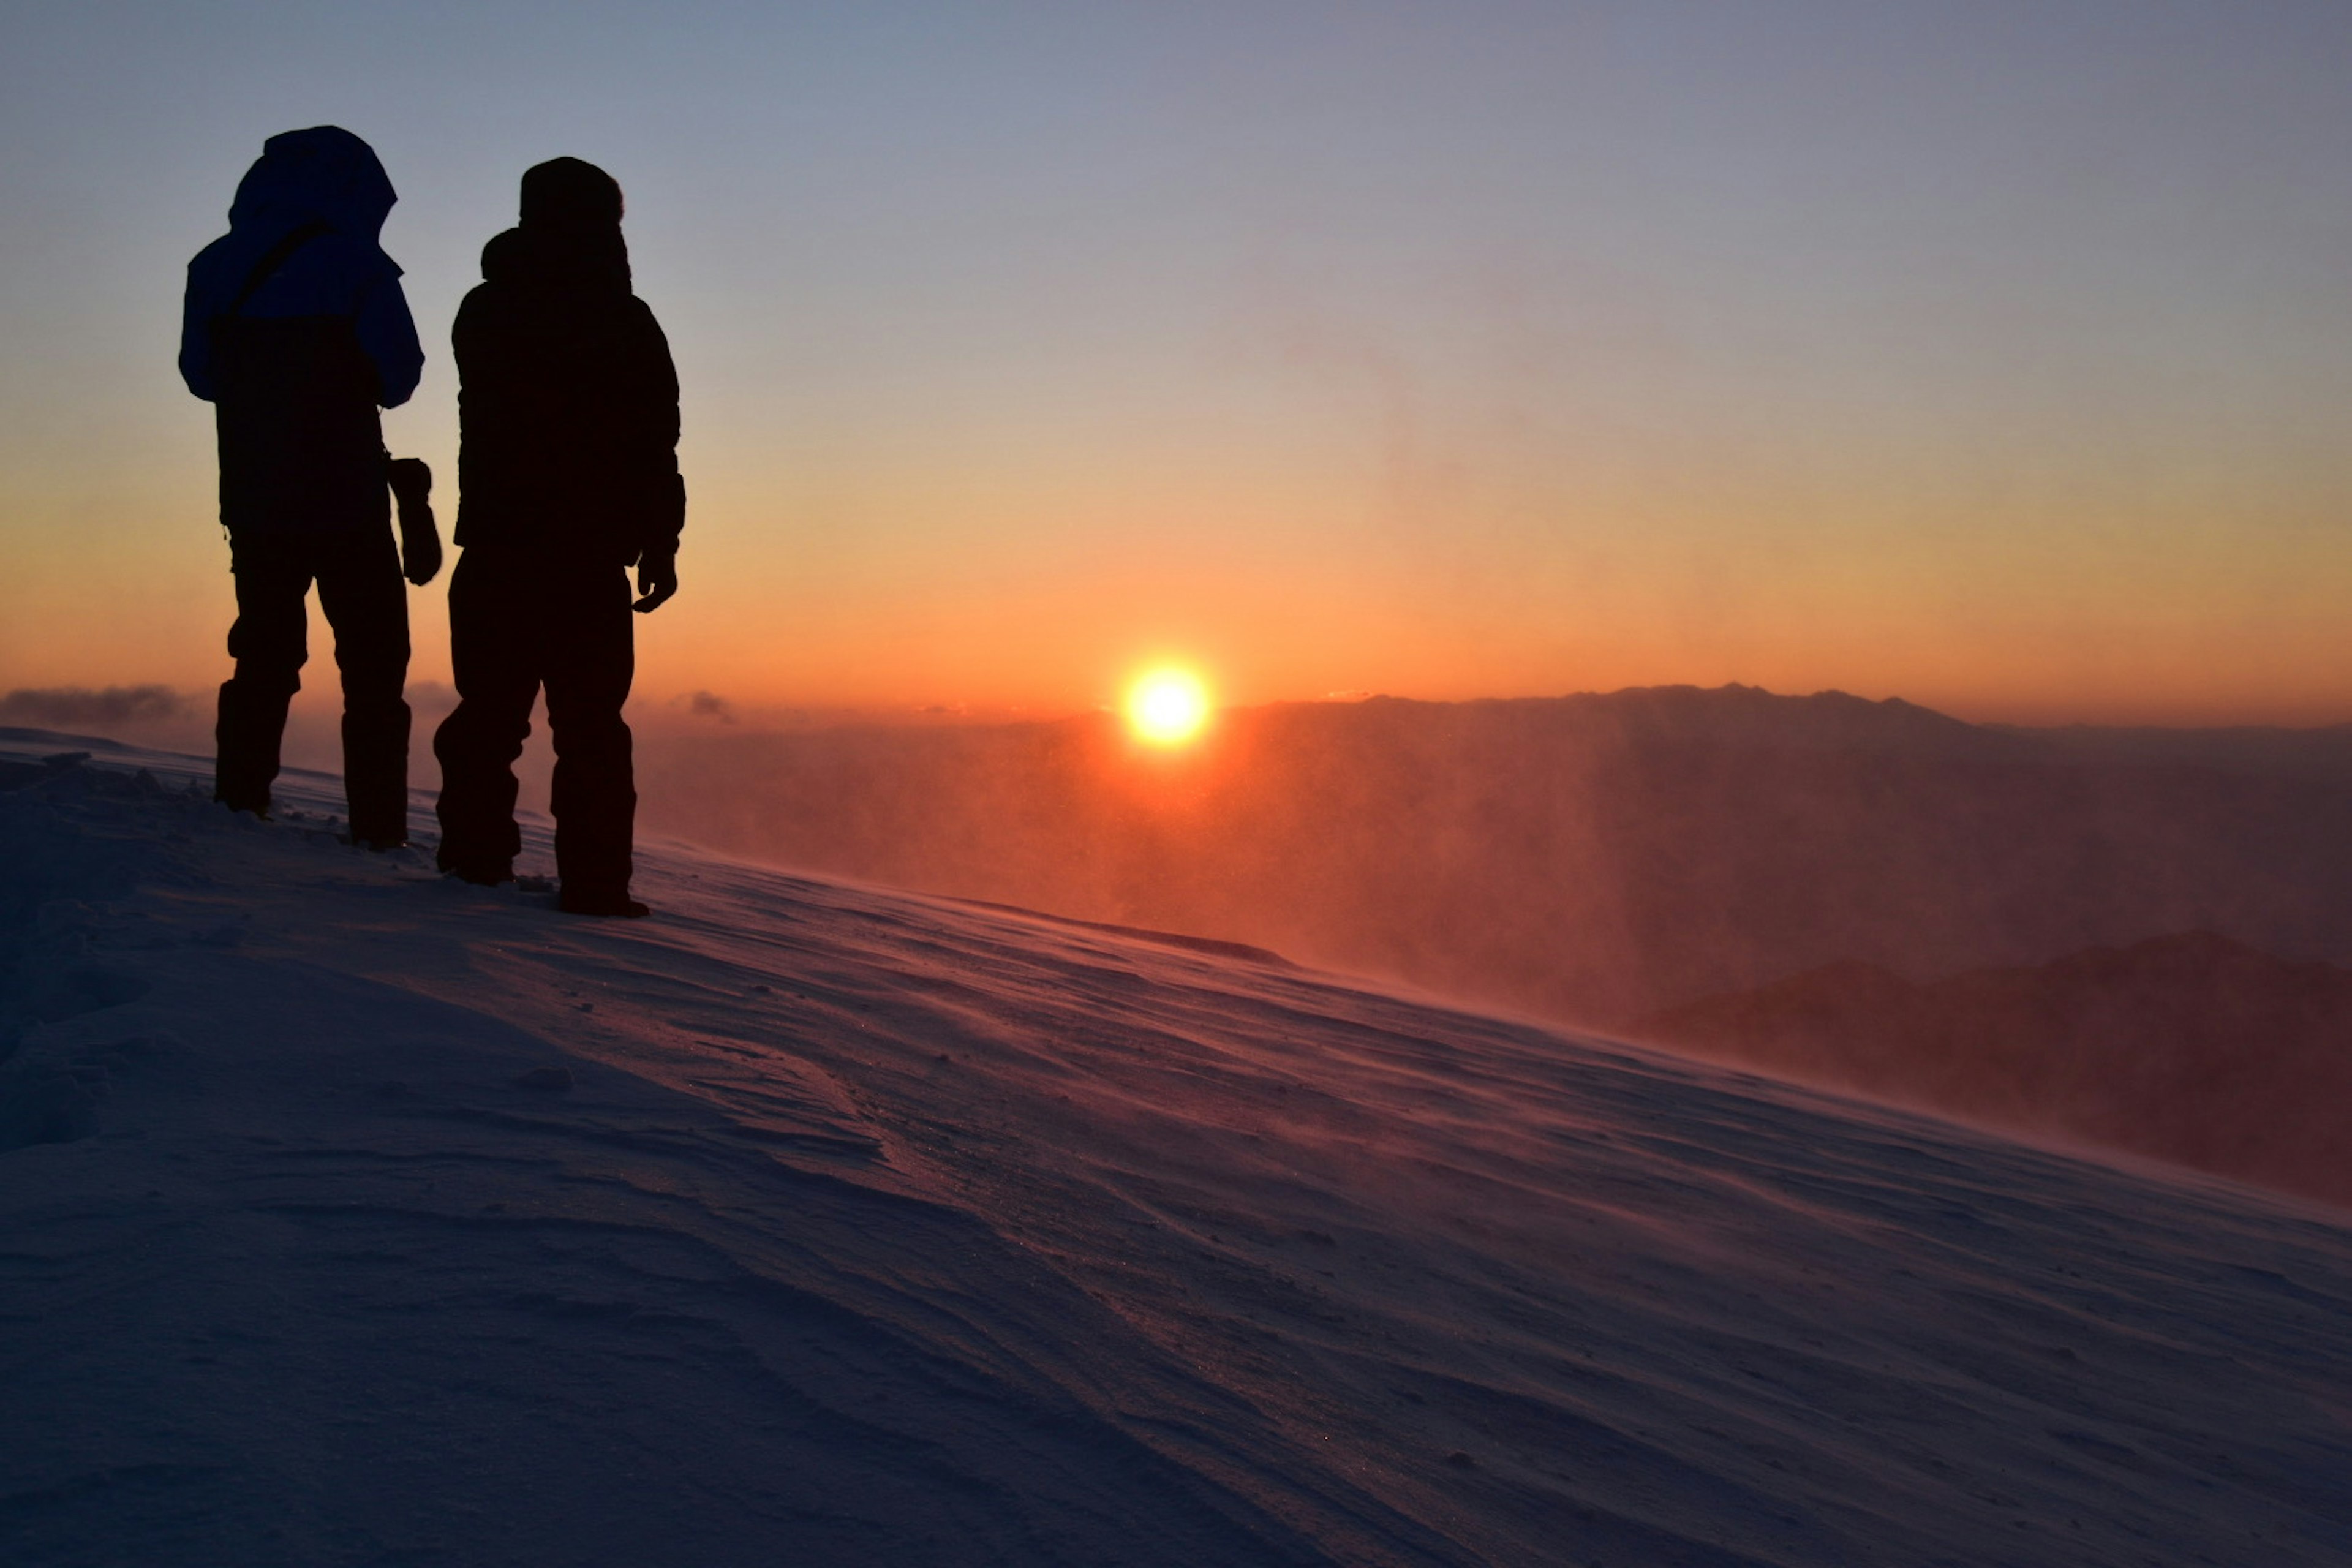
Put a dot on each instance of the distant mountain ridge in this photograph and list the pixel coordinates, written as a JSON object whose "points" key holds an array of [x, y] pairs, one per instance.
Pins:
{"points": [[2190, 1047], [2269, 751], [1592, 859]]}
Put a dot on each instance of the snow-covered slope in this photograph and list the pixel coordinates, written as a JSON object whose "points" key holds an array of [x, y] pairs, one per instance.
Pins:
{"points": [[873, 1229]]}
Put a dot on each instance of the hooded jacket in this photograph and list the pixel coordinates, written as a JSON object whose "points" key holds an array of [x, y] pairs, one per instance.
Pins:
{"points": [[567, 399], [327, 176], [294, 326]]}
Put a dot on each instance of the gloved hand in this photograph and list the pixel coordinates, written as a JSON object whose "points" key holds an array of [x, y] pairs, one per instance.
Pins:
{"points": [[420, 541], [656, 579]]}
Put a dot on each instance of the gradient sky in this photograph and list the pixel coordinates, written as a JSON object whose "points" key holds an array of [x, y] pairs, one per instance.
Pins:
{"points": [[1997, 355]]}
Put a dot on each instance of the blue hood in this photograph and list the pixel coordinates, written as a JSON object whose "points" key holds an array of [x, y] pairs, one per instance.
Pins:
{"points": [[324, 174]]}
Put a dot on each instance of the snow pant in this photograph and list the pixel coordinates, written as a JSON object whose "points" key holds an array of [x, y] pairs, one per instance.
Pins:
{"points": [[366, 603], [519, 623]]}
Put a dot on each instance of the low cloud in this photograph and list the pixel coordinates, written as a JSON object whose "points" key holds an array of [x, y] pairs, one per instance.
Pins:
{"points": [[48, 705], [710, 705]]}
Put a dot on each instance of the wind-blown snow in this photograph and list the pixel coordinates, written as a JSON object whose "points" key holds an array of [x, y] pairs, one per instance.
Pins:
{"points": [[877, 1229]]}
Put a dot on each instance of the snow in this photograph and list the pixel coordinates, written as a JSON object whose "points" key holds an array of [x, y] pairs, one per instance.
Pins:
{"points": [[873, 1228]]}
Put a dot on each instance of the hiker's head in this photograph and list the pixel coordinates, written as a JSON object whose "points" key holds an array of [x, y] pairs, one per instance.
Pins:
{"points": [[324, 175], [567, 195], [569, 235]]}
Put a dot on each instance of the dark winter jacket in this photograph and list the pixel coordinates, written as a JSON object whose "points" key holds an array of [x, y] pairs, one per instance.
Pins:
{"points": [[294, 327], [567, 399]]}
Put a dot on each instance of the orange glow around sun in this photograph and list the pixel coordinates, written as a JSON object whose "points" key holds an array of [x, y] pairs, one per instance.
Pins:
{"points": [[1167, 707]]}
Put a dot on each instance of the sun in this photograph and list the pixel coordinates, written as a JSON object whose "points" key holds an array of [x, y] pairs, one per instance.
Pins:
{"points": [[1167, 707]]}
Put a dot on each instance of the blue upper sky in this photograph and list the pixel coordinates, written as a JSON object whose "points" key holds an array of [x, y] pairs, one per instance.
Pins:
{"points": [[1774, 334]]}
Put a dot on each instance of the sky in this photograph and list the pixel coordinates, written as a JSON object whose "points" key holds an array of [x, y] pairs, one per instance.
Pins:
{"points": [[1994, 355]]}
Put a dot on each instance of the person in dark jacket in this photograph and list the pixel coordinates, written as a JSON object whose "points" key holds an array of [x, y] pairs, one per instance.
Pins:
{"points": [[295, 329], [567, 472]]}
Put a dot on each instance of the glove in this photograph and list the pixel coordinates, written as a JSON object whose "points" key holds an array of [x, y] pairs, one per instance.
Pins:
{"points": [[656, 579], [420, 541]]}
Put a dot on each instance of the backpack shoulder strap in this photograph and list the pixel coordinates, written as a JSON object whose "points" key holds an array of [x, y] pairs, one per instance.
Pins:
{"points": [[275, 256]]}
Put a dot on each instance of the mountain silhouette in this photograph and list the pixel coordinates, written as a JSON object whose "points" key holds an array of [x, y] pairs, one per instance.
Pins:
{"points": [[2190, 1047], [1590, 859]]}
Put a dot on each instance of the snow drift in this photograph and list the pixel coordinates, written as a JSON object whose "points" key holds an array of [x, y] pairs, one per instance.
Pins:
{"points": [[353, 1217]]}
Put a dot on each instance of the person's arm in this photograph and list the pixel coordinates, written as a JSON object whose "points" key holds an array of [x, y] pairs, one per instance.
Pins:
{"points": [[196, 335], [388, 335], [657, 376]]}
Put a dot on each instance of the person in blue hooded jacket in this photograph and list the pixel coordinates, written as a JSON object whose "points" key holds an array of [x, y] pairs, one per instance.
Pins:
{"points": [[295, 329]]}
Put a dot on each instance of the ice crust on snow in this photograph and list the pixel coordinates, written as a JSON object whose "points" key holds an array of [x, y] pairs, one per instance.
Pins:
{"points": [[350, 1215]]}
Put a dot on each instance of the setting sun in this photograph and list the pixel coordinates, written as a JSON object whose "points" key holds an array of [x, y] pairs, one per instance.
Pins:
{"points": [[1167, 707]]}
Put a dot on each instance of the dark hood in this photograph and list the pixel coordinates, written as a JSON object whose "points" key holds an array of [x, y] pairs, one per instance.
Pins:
{"points": [[324, 175], [569, 240]]}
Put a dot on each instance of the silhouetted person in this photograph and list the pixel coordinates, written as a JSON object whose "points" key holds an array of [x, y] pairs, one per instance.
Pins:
{"points": [[295, 329], [567, 472]]}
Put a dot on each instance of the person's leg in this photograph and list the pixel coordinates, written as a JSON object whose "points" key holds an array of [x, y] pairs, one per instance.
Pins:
{"points": [[366, 601], [592, 660], [269, 642], [494, 631]]}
